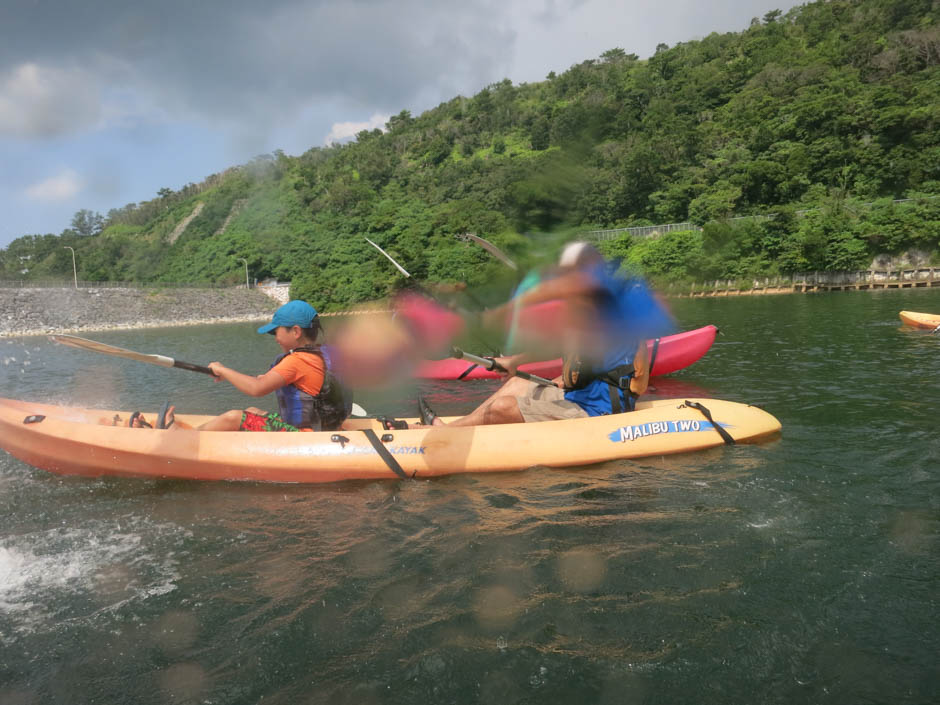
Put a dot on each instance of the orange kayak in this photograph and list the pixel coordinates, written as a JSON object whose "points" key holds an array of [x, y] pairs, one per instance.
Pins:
{"points": [[920, 320], [95, 442]]}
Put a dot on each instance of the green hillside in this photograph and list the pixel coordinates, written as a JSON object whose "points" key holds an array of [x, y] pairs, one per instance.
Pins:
{"points": [[832, 109]]}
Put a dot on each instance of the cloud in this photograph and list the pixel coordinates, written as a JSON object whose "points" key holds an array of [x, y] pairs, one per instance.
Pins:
{"points": [[244, 66], [344, 130], [62, 187], [41, 101], [249, 69], [140, 95]]}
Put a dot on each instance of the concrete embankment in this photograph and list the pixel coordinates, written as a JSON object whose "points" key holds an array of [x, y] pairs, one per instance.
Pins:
{"points": [[59, 310]]}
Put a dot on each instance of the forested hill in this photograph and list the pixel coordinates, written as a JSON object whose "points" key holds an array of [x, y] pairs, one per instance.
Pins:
{"points": [[822, 109]]}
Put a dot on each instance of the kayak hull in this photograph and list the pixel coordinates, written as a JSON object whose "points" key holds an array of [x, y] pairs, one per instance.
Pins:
{"points": [[78, 441], [672, 353], [920, 320]]}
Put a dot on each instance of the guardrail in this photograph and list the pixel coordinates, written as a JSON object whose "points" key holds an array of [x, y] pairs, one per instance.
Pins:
{"points": [[71, 284], [640, 231], [870, 279]]}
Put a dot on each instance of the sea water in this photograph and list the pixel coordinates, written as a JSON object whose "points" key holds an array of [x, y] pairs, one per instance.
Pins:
{"points": [[800, 570]]}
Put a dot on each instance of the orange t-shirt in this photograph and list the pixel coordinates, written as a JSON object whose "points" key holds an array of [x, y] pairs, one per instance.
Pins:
{"points": [[304, 370]]}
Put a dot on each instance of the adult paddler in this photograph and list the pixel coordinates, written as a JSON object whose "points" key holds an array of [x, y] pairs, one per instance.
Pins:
{"points": [[605, 359]]}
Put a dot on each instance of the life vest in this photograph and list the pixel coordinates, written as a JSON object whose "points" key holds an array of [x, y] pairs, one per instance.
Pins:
{"points": [[594, 389], [627, 311], [324, 411]]}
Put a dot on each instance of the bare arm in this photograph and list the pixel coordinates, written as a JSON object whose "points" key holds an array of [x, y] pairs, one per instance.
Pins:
{"points": [[511, 362], [641, 370], [564, 286], [253, 386]]}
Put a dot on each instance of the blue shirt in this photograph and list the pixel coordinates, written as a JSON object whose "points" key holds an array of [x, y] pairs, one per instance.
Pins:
{"points": [[629, 314]]}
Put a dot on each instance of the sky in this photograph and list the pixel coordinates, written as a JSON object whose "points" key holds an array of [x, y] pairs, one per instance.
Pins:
{"points": [[105, 102]]}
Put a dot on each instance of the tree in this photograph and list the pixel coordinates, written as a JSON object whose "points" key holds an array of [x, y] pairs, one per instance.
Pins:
{"points": [[86, 223], [540, 134], [835, 94], [399, 122], [613, 56]]}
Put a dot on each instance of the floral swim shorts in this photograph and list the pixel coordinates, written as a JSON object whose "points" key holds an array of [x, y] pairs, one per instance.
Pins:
{"points": [[264, 422]]}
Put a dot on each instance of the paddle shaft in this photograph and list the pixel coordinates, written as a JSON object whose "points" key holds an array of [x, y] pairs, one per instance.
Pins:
{"points": [[193, 368], [390, 259], [491, 364]]}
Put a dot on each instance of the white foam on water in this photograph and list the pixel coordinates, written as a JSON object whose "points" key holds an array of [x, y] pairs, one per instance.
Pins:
{"points": [[80, 573]]}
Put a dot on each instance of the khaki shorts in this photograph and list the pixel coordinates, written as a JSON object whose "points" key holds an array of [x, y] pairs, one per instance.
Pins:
{"points": [[543, 403]]}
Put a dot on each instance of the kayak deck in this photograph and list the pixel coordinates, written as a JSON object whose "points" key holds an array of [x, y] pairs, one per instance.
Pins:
{"points": [[71, 440]]}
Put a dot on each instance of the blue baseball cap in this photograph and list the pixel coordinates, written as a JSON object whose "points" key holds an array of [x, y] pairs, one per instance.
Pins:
{"points": [[293, 313]]}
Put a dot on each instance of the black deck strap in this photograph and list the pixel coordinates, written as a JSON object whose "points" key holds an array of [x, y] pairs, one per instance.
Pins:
{"points": [[653, 356], [385, 455], [468, 371], [615, 406], [725, 436]]}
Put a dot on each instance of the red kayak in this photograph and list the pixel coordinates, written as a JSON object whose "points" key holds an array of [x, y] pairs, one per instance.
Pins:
{"points": [[669, 353]]}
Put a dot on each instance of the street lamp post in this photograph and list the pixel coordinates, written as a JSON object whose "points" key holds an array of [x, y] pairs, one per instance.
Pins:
{"points": [[242, 259], [74, 268]]}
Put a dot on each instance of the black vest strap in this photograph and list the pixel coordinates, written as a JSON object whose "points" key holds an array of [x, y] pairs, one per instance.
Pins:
{"points": [[725, 436], [385, 455], [309, 349], [618, 379]]}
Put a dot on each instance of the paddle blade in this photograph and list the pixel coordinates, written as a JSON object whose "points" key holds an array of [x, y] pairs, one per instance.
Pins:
{"points": [[94, 346], [492, 249]]}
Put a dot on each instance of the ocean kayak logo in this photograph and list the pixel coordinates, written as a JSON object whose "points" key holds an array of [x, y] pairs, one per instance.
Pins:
{"points": [[407, 450], [394, 450], [656, 428]]}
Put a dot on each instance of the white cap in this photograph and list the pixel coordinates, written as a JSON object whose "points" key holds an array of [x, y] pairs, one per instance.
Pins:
{"points": [[576, 253]]}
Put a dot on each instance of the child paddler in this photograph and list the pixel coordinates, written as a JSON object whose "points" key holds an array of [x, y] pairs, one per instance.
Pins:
{"points": [[309, 396]]}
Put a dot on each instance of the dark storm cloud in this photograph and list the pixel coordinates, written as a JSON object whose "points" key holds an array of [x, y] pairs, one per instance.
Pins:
{"points": [[236, 61]]}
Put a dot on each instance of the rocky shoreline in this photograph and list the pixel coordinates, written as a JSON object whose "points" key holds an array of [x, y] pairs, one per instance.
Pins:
{"points": [[40, 311]]}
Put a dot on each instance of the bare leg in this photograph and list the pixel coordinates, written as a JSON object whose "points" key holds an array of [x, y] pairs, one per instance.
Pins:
{"points": [[500, 407], [229, 421], [496, 410]]}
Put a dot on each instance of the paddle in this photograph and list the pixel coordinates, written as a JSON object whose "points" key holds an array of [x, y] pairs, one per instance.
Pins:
{"points": [[161, 360], [390, 259], [491, 364], [94, 346], [492, 249], [423, 290]]}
